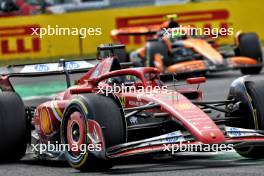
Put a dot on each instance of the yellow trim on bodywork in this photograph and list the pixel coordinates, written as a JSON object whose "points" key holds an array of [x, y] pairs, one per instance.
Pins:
{"points": [[58, 110]]}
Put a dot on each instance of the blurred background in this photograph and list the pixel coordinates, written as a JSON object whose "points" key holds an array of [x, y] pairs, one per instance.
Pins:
{"points": [[17, 17]]}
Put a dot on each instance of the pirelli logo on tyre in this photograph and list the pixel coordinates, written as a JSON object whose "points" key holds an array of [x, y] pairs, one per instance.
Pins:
{"points": [[18, 40], [205, 19]]}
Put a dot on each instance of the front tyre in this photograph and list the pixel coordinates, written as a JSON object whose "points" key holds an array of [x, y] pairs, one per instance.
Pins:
{"points": [[255, 91], [75, 127]]}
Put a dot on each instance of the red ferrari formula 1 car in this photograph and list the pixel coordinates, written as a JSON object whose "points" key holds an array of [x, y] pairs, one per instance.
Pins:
{"points": [[113, 113], [179, 50]]}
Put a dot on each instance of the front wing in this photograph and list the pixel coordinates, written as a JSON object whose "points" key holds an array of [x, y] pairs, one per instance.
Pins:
{"points": [[168, 143]]}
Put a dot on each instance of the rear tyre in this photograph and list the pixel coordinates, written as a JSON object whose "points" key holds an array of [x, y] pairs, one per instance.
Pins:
{"points": [[256, 92], [249, 46], [156, 47], [13, 127], [107, 114]]}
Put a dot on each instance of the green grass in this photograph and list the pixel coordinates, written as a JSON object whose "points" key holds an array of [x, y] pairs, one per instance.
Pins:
{"points": [[40, 89]]}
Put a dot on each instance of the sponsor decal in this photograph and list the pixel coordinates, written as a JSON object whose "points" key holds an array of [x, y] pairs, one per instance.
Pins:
{"points": [[184, 106], [46, 125], [133, 120], [72, 65], [41, 68], [208, 19], [49, 67], [240, 132], [234, 132], [174, 137], [135, 103], [18, 40]]}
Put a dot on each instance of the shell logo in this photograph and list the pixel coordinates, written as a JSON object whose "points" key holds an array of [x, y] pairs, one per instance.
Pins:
{"points": [[45, 121]]}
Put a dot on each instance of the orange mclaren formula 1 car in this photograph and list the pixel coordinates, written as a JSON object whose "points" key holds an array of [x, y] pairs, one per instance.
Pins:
{"points": [[184, 54]]}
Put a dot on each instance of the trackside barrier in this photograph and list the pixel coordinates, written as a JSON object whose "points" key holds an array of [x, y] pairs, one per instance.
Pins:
{"points": [[17, 43]]}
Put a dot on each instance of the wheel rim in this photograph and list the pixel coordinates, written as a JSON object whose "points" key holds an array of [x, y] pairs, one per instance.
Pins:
{"points": [[76, 133]]}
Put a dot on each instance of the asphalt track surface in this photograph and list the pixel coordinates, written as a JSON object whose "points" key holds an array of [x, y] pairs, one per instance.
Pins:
{"points": [[185, 164]]}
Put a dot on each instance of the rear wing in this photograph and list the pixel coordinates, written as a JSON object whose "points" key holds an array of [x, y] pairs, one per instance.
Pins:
{"points": [[42, 69]]}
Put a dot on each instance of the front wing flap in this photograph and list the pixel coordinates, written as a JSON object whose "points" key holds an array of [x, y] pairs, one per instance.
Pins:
{"points": [[238, 137]]}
